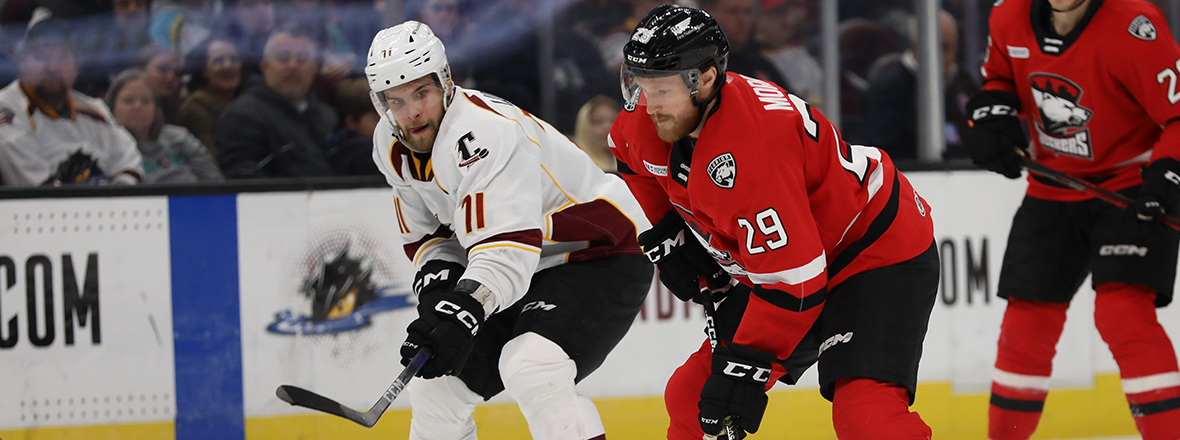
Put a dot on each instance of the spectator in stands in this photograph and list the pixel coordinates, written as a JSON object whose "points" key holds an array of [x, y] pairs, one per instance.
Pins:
{"points": [[736, 18], [506, 62], [277, 128], [163, 67], [593, 126], [109, 43], [782, 30], [215, 70], [170, 153], [51, 134], [891, 104], [350, 147], [861, 44], [251, 21], [448, 20]]}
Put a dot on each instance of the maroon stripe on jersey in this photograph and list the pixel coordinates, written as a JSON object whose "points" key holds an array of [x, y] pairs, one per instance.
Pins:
{"points": [[531, 237], [479, 102], [441, 232], [395, 157], [876, 229], [92, 114], [600, 223], [786, 301]]}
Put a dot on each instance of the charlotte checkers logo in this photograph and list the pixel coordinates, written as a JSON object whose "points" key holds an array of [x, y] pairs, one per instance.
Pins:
{"points": [[1061, 119]]}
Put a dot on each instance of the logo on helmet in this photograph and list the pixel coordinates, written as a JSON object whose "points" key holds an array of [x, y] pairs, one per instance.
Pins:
{"points": [[642, 35], [684, 27]]}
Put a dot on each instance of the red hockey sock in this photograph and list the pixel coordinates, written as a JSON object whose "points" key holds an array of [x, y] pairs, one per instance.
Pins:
{"points": [[1024, 362], [683, 392], [868, 409], [1126, 319]]}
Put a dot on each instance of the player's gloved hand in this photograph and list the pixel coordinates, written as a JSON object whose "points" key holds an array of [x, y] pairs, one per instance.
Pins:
{"points": [[994, 132], [447, 322], [736, 388], [680, 257], [437, 276], [1160, 192]]}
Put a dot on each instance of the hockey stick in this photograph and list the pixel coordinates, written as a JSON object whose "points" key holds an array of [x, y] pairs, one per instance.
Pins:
{"points": [[711, 330], [1081, 185], [307, 399]]}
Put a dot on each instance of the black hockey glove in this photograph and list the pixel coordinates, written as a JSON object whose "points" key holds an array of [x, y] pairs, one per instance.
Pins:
{"points": [[995, 132], [1160, 192], [437, 276], [447, 322], [736, 388], [680, 258]]}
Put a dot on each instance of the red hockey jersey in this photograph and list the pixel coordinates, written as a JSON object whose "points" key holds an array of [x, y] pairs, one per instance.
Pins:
{"points": [[1098, 102], [779, 199]]}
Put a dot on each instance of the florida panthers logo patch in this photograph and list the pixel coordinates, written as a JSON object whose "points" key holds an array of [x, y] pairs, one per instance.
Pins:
{"points": [[1142, 28], [1061, 119], [723, 170]]}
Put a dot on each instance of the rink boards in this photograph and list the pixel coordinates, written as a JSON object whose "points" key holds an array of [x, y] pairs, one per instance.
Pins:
{"points": [[176, 317]]}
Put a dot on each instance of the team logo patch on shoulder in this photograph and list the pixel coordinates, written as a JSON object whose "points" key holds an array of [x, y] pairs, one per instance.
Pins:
{"points": [[723, 170], [469, 156], [1142, 28]]}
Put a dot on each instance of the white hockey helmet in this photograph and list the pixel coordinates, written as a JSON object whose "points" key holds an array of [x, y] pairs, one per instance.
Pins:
{"points": [[402, 54]]}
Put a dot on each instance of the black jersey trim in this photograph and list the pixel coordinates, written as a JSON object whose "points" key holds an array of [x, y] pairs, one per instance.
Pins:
{"points": [[1147, 409], [623, 168], [1039, 14], [786, 301], [1017, 404], [876, 229]]}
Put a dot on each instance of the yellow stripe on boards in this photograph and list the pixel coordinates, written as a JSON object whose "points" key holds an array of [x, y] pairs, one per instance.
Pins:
{"points": [[795, 414], [142, 431]]}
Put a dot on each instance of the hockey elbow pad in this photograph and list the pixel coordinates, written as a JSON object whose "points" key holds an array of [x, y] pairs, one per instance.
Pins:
{"points": [[437, 276], [680, 258], [995, 134]]}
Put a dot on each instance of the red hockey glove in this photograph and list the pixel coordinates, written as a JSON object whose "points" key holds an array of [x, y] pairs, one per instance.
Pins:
{"points": [[995, 132], [448, 323], [1160, 192], [680, 257], [736, 388]]}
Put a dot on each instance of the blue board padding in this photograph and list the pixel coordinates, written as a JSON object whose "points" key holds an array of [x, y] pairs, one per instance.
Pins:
{"points": [[205, 317]]}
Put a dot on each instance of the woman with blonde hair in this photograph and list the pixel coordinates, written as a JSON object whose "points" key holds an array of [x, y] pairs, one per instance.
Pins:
{"points": [[592, 128]]}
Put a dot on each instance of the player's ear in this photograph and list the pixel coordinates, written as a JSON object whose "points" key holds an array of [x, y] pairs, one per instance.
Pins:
{"points": [[708, 78]]}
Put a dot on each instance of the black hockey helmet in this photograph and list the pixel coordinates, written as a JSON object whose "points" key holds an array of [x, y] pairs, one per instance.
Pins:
{"points": [[673, 40]]}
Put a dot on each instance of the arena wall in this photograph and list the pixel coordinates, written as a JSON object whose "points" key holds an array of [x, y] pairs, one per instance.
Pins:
{"points": [[177, 317]]}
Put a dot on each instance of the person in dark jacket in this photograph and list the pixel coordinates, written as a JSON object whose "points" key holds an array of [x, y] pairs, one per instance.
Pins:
{"points": [[277, 128], [350, 147]]}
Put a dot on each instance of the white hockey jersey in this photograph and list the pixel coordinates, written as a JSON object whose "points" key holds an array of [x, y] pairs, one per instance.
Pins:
{"points": [[505, 194], [34, 139]]}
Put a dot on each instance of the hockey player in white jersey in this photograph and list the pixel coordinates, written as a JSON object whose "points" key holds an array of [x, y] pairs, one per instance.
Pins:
{"points": [[528, 270]]}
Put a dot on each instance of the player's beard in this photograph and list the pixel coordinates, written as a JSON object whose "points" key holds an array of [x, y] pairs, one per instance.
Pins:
{"points": [[681, 125], [422, 142]]}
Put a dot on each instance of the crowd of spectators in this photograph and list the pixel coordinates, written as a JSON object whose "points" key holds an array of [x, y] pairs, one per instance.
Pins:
{"points": [[267, 88]]}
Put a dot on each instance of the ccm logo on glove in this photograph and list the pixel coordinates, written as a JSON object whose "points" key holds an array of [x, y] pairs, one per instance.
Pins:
{"points": [[756, 374], [658, 252], [993, 110], [465, 317]]}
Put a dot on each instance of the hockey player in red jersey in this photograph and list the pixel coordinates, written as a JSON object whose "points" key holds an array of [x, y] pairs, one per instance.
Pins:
{"points": [[1096, 84], [830, 248]]}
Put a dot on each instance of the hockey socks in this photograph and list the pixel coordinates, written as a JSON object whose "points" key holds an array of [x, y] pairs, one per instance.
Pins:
{"points": [[865, 409], [1024, 362], [1126, 319]]}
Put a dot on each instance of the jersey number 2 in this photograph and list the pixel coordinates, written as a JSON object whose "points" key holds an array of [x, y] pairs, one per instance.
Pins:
{"points": [[1170, 75], [773, 234]]}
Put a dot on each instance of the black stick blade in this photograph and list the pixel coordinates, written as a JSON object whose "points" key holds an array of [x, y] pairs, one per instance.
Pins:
{"points": [[307, 399]]}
